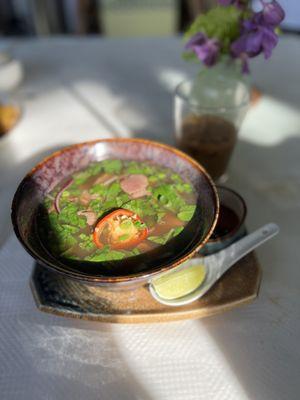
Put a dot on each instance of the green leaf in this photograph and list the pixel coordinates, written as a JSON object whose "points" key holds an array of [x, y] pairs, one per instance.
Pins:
{"points": [[65, 193], [139, 225], [184, 187], [167, 195], [108, 205], [121, 199], [112, 191], [141, 207], [186, 213], [178, 230], [98, 189], [160, 216], [176, 178], [157, 239], [95, 168], [87, 244], [135, 251], [69, 228], [116, 255], [106, 255], [81, 177], [112, 166], [96, 206], [68, 215], [163, 239]]}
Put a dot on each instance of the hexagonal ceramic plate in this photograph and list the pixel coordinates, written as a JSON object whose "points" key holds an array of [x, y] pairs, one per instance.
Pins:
{"points": [[56, 294]]}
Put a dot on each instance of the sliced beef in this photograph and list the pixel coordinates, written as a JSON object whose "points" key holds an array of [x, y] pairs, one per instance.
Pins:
{"points": [[135, 185]]}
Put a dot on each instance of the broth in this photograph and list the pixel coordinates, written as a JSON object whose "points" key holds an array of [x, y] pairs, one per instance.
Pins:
{"points": [[115, 209]]}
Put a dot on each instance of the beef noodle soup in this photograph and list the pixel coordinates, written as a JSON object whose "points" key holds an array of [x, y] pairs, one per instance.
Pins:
{"points": [[115, 209]]}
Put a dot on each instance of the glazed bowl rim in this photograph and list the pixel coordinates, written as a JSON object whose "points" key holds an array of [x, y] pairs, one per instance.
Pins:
{"points": [[124, 278]]}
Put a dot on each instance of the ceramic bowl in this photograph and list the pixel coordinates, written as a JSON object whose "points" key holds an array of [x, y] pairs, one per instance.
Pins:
{"points": [[45, 176], [233, 201]]}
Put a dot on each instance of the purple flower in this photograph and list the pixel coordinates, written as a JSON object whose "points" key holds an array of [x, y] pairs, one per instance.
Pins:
{"points": [[261, 39], [258, 34], [272, 13], [206, 49]]}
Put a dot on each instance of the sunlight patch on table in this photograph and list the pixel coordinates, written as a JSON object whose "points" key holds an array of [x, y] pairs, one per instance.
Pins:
{"points": [[270, 122]]}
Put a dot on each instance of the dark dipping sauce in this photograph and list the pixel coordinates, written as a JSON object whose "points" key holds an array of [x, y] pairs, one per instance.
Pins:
{"points": [[227, 222]]}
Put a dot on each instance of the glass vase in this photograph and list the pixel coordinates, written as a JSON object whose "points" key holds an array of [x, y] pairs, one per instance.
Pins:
{"points": [[208, 113]]}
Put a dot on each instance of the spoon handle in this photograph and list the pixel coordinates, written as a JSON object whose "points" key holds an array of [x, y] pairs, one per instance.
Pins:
{"points": [[242, 247]]}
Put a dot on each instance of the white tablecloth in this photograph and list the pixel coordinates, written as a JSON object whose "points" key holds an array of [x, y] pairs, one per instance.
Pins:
{"points": [[81, 89]]}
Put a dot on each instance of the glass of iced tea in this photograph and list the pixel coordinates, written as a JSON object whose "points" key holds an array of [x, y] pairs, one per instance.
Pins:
{"points": [[208, 113]]}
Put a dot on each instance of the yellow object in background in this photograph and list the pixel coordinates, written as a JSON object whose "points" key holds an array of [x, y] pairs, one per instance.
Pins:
{"points": [[9, 115], [139, 18], [179, 283]]}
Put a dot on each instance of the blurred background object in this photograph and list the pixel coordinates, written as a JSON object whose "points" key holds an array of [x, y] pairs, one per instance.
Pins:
{"points": [[11, 70], [119, 17], [113, 17]]}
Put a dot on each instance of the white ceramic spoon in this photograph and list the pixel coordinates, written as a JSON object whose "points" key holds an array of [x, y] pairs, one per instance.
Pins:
{"points": [[217, 264]]}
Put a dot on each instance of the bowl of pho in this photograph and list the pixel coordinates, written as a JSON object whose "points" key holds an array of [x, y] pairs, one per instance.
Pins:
{"points": [[115, 211]]}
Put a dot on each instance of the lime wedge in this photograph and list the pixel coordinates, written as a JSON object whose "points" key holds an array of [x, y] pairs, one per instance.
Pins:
{"points": [[179, 283]]}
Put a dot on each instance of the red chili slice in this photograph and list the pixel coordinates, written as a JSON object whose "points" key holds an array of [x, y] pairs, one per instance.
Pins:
{"points": [[111, 230]]}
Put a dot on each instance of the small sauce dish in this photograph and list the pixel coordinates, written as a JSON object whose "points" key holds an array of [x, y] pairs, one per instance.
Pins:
{"points": [[231, 222]]}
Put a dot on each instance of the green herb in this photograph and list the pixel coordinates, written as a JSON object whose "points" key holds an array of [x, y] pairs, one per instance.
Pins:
{"points": [[153, 179], [69, 228], [81, 177], [73, 190], [112, 191], [163, 239], [135, 252], [168, 196], [94, 169], [69, 215], [87, 242], [186, 213], [112, 166], [108, 205], [65, 193], [160, 216], [98, 189], [178, 230], [105, 254], [139, 224], [176, 178], [141, 207], [121, 199], [184, 188], [96, 206], [157, 239]]}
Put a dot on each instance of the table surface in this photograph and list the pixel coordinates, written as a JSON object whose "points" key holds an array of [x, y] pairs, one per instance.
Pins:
{"points": [[76, 89]]}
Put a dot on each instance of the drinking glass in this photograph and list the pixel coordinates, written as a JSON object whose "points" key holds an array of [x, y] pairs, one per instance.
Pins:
{"points": [[208, 112]]}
